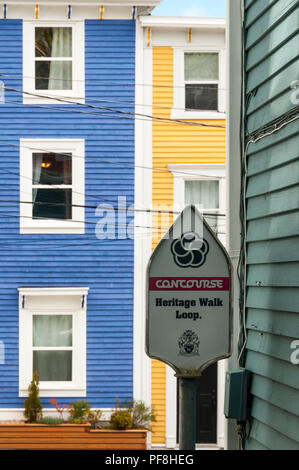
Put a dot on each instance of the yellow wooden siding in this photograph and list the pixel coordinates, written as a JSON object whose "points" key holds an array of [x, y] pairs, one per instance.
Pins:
{"points": [[173, 144]]}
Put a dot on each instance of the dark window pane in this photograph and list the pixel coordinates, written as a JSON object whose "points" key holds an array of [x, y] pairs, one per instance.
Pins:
{"points": [[52, 203], [53, 42], [53, 75], [53, 365], [203, 97], [51, 168]]}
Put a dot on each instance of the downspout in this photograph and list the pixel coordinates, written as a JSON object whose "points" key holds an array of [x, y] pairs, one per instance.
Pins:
{"points": [[233, 172]]}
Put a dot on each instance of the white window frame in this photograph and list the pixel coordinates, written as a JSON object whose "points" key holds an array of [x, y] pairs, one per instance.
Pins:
{"points": [[77, 387], [179, 111], [28, 225], [77, 94], [182, 173]]}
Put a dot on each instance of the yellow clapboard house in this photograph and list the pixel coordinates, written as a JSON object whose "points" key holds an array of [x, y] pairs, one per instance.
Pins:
{"points": [[184, 60]]}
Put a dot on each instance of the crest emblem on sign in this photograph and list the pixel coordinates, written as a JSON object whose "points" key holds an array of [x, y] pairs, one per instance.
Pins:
{"points": [[190, 251], [189, 344]]}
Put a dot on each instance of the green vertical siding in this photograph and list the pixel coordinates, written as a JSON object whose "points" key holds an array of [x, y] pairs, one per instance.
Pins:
{"points": [[272, 192]]}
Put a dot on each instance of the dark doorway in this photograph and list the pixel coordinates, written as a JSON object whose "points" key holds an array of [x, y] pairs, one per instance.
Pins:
{"points": [[206, 412]]}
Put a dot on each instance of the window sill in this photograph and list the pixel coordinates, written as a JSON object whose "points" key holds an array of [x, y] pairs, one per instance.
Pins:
{"points": [[70, 228], [54, 98], [177, 114], [56, 391]]}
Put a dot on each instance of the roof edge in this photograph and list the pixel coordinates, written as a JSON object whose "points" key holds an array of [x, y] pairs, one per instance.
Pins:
{"points": [[182, 22]]}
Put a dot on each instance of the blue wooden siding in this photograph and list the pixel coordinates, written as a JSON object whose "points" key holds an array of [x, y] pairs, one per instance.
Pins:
{"points": [[271, 62], [107, 267]]}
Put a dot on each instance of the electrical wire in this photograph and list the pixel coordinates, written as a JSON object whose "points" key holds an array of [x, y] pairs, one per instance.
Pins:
{"points": [[106, 83], [29, 243], [101, 160], [133, 103], [259, 134], [130, 209], [275, 128], [107, 208], [119, 112], [2, 214]]}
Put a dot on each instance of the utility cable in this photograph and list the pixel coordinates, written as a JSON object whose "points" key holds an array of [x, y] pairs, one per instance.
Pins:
{"points": [[121, 113]]}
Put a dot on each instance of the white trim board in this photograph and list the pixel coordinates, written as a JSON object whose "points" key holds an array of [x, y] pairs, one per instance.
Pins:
{"points": [[182, 22], [54, 10], [7, 414], [143, 199], [41, 291]]}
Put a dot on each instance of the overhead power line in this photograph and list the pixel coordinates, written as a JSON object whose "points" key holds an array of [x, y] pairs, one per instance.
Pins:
{"points": [[112, 162], [119, 112], [118, 209], [131, 103], [118, 226], [108, 82]]}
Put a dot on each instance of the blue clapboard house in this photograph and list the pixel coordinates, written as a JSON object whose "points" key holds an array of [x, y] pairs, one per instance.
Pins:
{"points": [[67, 153]]}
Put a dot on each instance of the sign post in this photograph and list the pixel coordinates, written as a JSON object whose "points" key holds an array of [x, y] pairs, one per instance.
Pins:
{"points": [[189, 308]]}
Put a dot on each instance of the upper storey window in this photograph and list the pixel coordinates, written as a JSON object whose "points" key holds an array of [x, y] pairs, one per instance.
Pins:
{"points": [[201, 81], [53, 58], [53, 63]]}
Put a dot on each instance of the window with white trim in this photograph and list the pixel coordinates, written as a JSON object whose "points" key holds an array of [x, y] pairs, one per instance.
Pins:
{"points": [[52, 186], [53, 340], [201, 76], [204, 193], [205, 187], [53, 63], [199, 83]]}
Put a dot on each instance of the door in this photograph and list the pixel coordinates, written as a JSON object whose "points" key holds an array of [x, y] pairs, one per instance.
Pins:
{"points": [[206, 412], [206, 407]]}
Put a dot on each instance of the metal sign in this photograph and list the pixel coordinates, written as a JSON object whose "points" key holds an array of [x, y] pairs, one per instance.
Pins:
{"points": [[189, 297]]}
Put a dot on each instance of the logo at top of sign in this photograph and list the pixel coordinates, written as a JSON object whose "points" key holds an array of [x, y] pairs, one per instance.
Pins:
{"points": [[190, 251], [189, 344]]}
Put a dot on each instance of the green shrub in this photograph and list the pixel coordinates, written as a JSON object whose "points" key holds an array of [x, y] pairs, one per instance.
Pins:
{"points": [[121, 419], [142, 416], [33, 407], [94, 417], [50, 420], [79, 411]]}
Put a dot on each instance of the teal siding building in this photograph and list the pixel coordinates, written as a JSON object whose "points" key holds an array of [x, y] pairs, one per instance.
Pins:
{"points": [[270, 221]]}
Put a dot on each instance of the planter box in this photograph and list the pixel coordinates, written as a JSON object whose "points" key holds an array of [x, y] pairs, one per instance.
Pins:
{"points": [[69, 437]]}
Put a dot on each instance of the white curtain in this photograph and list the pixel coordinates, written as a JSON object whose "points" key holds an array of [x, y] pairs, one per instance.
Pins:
{"points": [[37, 169], [53, 331], [202, 192], [205, 195], [201, 66], [60, 77]]}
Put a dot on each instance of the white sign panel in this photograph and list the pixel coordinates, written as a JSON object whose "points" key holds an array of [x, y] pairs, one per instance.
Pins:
{"points": [[189, 304]]}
